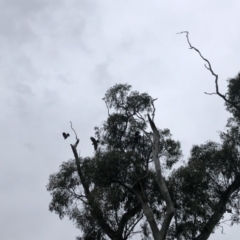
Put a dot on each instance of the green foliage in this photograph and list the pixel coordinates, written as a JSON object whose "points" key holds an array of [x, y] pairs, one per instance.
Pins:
{"points": [[121, 158], [212, 170], [197, 187], [233, 95], [121, 99], [62, 186]]}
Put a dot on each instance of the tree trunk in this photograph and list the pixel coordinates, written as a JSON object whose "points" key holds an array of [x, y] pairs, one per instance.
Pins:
{"points": [[162, 186], [220, 210]]}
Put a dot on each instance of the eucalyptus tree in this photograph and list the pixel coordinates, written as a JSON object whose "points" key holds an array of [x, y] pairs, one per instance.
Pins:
{"points": [[129, 187], [208, 186], [108, 194]]}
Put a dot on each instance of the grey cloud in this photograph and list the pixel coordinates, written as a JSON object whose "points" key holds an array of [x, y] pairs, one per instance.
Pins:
{"points": [[19, 105], [101, 73], [29, 146], [58, 58], [22, 89], [51, 97], [65, 78]]}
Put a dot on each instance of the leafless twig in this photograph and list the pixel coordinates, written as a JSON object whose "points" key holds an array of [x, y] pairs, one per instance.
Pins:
{"points": [[222, 229], [227, 220], [74, 131], [154, 109], [209, 67], [210, 93], [77, 139]]}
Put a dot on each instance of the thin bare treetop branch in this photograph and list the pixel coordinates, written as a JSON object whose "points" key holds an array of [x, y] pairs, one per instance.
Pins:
{"points": [[74, 131], [154, 109], [77, 139], [210, 93], [209, 67]]}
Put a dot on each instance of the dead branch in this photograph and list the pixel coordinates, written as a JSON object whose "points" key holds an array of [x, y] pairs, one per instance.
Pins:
{"points": [[209, 93], [154, 109], [209, 67], [77, 139]]}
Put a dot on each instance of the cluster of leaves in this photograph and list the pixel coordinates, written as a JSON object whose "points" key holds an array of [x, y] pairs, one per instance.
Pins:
{"points": [[197, 187], [121, 158], [68, 197], [233, 95], [202, 190], [213, 171]]}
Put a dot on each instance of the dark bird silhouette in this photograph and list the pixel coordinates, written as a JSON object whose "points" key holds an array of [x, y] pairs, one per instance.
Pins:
{"points": [[137, 137], [94, 143], [65, 135]]}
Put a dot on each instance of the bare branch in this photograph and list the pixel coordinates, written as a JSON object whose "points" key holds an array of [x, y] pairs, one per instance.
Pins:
{"points": [[130, 231], [209, 67], [227, 220], [209, 93], [154, 109], [222, 229], [95, 209], [77, 139], [74, 131]]}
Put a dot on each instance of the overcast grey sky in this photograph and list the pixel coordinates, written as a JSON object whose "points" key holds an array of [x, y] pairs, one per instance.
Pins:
{"points": [[58, 58]]}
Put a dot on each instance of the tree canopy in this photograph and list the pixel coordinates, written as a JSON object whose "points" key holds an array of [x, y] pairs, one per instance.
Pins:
{"points": [[129, 185]]}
